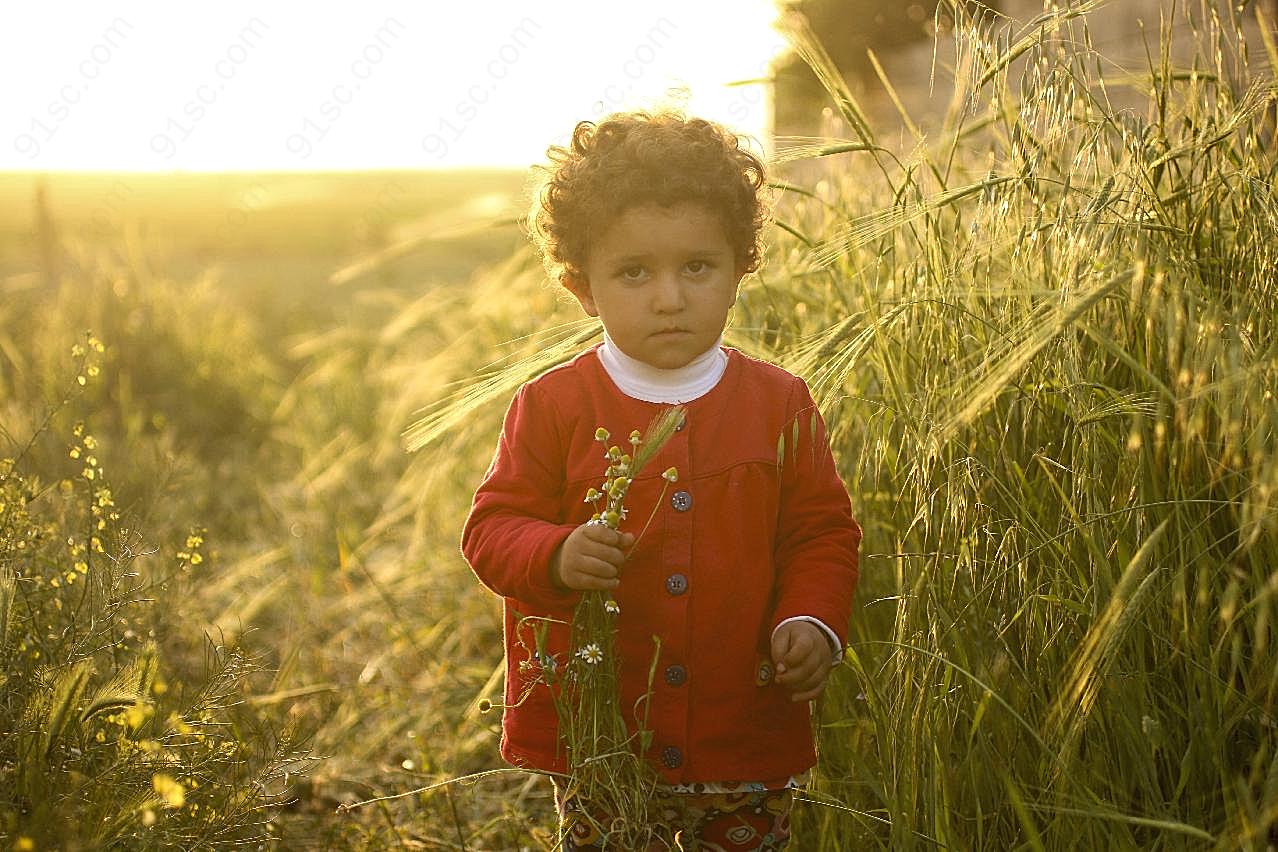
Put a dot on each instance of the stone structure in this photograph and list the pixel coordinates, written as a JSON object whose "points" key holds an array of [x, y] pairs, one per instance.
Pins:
{"points": [[901, 36]]}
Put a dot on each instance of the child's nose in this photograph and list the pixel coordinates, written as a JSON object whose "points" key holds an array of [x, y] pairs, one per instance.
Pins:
{"points": [[668, 296]]}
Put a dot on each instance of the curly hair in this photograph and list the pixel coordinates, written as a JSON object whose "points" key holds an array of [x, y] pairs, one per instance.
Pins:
{"points": [[637, 158]]}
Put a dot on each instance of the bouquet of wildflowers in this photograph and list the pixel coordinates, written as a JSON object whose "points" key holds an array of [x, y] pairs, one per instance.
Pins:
{"points": [[606, 766]]}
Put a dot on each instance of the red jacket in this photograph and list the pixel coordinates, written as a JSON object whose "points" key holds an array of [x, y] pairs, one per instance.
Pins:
{"points": [[756, 530]]}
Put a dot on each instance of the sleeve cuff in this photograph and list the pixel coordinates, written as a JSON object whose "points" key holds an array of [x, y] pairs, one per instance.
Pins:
{"points": [[836, 648], [543, 589]]}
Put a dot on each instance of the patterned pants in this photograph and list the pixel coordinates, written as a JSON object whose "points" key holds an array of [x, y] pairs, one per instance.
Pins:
{"points": [[706, 822]]}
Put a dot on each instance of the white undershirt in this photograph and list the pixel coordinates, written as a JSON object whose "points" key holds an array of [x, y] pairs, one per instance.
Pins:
{"points": [[695, 379], [643, 381]]}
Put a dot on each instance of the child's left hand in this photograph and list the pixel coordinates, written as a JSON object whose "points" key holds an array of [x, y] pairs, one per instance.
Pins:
{"points": [[802, 657]]}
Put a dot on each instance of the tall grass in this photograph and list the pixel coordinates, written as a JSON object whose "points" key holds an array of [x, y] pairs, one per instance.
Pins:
{"points": [[1047, 349], [104, 741]]}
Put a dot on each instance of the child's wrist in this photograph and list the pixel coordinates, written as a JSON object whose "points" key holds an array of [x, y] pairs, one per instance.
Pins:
{"points": [[552, 570]]}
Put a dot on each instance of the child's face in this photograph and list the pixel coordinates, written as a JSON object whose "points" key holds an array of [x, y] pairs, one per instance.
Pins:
{"points": [[661, 279]]}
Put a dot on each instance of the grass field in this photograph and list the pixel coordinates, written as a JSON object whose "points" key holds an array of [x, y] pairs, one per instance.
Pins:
{"points": [[1043, 336]]}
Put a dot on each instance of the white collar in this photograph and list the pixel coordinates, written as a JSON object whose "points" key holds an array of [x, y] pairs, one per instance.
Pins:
{"points": [[653, 384]]}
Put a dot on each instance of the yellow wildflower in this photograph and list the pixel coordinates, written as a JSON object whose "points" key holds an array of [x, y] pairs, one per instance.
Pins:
{"points": [[171, 791]]}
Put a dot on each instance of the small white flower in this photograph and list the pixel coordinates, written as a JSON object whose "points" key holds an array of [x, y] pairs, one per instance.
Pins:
{"points": [[592, 654], [612, 607]]}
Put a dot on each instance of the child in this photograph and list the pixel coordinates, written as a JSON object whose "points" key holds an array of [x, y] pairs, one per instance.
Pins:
{"points": [[746, 572]]}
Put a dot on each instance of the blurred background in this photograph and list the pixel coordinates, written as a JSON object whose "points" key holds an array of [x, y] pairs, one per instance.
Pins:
{"points": [[264, 294]]}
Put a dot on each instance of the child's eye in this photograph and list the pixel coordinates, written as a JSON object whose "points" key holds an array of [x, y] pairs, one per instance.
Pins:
{"points": [[632, 273], [696, 267]]}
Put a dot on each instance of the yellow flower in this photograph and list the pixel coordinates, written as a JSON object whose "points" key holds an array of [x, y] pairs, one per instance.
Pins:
{"points": [[172, 792], [137, 714], [671, 475], [601, 434]]}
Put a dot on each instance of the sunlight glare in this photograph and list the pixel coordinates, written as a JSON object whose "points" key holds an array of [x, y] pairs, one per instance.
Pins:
{"points": [[238, 87]]}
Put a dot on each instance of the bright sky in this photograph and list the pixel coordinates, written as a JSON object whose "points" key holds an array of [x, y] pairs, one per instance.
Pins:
{"points": [[150, 86]]}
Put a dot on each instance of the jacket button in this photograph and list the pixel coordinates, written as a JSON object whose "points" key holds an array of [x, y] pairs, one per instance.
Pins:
{"points": [[671, 757], [681, 500], [676, 675], [676, 584]]}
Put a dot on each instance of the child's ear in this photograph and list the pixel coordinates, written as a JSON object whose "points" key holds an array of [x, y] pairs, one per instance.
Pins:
{"points": [[580, 288]]}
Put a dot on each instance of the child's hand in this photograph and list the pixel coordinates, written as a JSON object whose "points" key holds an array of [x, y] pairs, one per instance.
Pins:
{"points": [[590, 558], [802, 657]]}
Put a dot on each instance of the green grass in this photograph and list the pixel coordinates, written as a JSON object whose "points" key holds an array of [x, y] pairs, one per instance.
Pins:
{"points": [[1042, 336]]}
